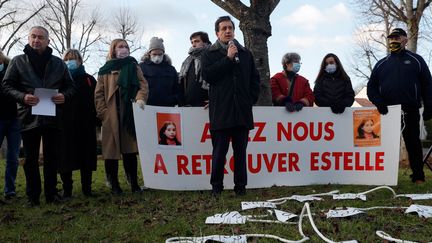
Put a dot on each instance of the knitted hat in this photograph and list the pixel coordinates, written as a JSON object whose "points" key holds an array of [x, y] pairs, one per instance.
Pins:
{"points": [[156, 43]]}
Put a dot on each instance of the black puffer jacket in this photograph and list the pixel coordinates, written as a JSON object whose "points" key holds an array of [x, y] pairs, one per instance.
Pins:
{"points": [[329, 91], [234, 88], [21, 79]]}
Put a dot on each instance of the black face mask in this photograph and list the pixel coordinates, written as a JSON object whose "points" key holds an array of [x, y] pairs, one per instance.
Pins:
{"points": [[395, 46]]}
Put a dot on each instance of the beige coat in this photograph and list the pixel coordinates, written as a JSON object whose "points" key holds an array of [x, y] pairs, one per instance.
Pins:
{"points": [[115, 141]]}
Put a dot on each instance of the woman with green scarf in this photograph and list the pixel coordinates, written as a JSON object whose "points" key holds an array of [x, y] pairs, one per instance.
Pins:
{"points": [[120, 82], [79, 128]]}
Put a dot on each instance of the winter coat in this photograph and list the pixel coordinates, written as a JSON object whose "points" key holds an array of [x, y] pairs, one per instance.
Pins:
{"points": [[115, 140], [79, 133], [164, 89], [329, 91], [280, 90], [9, 107], [401, 78], [234, 87], [21, 79]]}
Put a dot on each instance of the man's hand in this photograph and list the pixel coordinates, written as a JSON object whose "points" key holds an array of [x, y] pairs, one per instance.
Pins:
{"points": [[427, 114], [382, 108], [58, 99], [232, 51], [31, 100], [141, 104]]}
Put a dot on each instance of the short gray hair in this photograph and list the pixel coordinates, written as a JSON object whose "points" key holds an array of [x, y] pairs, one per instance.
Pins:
{"points": [[290, 57]]}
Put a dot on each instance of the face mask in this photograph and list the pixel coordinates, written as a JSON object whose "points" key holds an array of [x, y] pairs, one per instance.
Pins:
{"points": [[395, 46], [156, 58], [122, 52], [330, 68], [296, 67], [1, 67], [72, 64]]}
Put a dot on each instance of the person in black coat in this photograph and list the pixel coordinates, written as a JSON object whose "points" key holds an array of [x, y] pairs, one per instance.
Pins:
{"points": [[333, 86], [38, 68], [230, 70], [79, 136]]}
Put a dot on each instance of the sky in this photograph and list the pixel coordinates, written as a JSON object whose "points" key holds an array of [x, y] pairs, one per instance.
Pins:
{"points": [[311, 28]]}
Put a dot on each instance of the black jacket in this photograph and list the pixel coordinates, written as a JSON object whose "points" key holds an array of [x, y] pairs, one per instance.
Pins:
{"points": [[329, 91], [21, 79], [234, 87], [401, 78], [79, 127], [8, 105]]}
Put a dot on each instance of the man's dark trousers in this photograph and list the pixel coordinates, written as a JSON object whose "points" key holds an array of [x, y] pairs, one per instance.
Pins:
{"points": [[411, 135], [220, 140], [31, 143]]}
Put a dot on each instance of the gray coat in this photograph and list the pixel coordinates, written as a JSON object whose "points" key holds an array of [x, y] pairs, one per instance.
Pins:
{"points": [[20, 79]]}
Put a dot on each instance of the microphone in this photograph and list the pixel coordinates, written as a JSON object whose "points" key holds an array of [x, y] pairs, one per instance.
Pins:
{"points": [[236, 58]]}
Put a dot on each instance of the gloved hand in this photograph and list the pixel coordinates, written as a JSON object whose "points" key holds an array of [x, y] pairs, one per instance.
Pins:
{"points": [[427, 114], [141, 104], [337, 108], [298, 105], [289, 105], [382, 108]]}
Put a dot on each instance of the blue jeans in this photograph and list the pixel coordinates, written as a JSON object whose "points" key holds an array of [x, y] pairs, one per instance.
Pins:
{"points": [[10, 129]]}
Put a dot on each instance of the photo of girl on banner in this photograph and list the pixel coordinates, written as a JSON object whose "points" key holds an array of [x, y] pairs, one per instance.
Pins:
{"points": [[169, 129], [367, 128]]}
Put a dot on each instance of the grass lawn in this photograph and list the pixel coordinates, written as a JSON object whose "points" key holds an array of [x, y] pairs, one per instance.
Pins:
{"points": [[154, 216]]}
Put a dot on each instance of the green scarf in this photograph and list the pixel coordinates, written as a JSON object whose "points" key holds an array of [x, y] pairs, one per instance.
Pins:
{"points": [[128, 83]]}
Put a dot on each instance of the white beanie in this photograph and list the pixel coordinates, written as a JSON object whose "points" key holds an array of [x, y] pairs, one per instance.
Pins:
{"points": [[156, 43]]}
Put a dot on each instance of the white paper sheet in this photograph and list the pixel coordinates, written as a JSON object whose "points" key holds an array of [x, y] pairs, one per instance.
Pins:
{"points": [[283, 216], [351, 196], [251, 205], [45, 107], [233, 217], [342, 213], [422, 211]]}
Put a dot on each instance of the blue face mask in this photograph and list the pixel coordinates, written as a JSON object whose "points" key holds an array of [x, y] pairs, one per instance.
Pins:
{"points": [[296, 67], [71, 64], [330, 68], [1, 67]]}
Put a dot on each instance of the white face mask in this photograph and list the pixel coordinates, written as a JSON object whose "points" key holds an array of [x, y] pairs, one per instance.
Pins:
{"points": [[330, 68], [122, 52], [1, 67], [156, 58]]}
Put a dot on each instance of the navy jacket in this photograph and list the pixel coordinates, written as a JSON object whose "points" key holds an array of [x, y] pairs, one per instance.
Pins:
{"points": [[401, 78], [164, 88]]}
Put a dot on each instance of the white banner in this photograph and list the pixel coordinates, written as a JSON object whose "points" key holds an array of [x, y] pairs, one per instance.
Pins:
{"points": [[313, 146]]}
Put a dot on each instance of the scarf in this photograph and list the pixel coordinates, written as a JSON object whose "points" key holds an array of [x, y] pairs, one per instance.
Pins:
{"points": [[195, 57], [38, 61], [80, 71], [128, 83]]}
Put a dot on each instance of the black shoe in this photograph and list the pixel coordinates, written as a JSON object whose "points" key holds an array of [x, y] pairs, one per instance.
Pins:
{"points": [[136, 189], [32, 202], [215, 193], [10, 196], [116, 190], [240, 191], [55, 199], [67, 195]]}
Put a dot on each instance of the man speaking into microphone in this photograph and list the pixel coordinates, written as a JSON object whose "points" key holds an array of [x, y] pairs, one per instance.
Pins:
{"points": [[230, 70]]}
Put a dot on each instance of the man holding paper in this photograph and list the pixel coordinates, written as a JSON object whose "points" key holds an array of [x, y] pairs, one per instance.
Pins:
{"points": [[32, 79]]}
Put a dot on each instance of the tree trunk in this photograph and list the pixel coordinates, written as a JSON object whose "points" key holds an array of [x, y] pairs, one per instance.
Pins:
{"points": [[256, 32]]}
